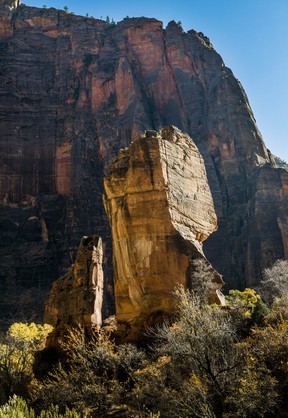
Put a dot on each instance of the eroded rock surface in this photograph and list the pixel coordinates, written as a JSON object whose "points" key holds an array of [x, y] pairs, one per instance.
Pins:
{"points": [[77, 297], [160, 208]]}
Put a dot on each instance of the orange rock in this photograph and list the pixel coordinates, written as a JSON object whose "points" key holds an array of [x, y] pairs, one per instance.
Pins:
{"points": [[160, 208]]}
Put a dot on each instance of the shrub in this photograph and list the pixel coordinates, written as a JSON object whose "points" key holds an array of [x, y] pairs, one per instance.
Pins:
{"points": [[95, 376], [246, 309], [17, 408], [17, 348], [202, 346], [275, 282]]}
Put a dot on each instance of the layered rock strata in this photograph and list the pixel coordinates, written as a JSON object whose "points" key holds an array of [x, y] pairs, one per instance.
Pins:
{"points": [[160, 208], [73, 91], [77, 297]]}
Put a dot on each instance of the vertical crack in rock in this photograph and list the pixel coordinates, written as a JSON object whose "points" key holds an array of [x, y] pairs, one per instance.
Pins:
{"points": [[76, 298], [160, 209]]}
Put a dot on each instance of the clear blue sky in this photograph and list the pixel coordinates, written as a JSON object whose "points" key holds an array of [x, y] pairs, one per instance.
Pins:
{"points": [[250, 35]]}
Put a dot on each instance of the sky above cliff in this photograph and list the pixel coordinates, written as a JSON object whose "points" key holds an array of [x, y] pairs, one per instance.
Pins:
{"points": [[250, 35]]}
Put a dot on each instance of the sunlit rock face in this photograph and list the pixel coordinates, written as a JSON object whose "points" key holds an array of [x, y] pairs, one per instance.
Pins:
{"points": [[160, 208], [76, 299]]}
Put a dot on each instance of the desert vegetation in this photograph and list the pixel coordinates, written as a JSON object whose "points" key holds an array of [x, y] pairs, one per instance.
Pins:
{"points": [[209, 361]]}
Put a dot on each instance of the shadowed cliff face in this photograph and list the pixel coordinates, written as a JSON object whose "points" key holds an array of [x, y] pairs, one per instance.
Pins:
{"points": [[267, 220], [73, 92]]}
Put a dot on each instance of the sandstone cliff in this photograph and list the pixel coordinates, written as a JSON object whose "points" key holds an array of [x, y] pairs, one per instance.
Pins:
{"points": [[73, 92], [160, 208], [76, 298]]}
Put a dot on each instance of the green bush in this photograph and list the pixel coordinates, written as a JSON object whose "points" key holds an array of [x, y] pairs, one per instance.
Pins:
{"points": [[17, 408], [53, 412], [17, 349]]}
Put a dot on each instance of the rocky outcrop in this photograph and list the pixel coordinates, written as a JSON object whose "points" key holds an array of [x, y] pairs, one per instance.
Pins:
{"points": [[76, 298], [73, 92], [160, 208]]}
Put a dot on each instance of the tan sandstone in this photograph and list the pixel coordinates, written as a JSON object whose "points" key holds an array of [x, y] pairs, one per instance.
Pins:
{"points": [[76, 298], [160, 208]]}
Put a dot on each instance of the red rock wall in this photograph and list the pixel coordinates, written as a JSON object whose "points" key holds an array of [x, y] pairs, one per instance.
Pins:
{"points": [[73, 92]]}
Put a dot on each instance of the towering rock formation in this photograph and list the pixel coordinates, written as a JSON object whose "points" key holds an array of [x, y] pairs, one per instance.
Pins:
{"points": [[76, 298], [73, 92], [160, 208]]}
